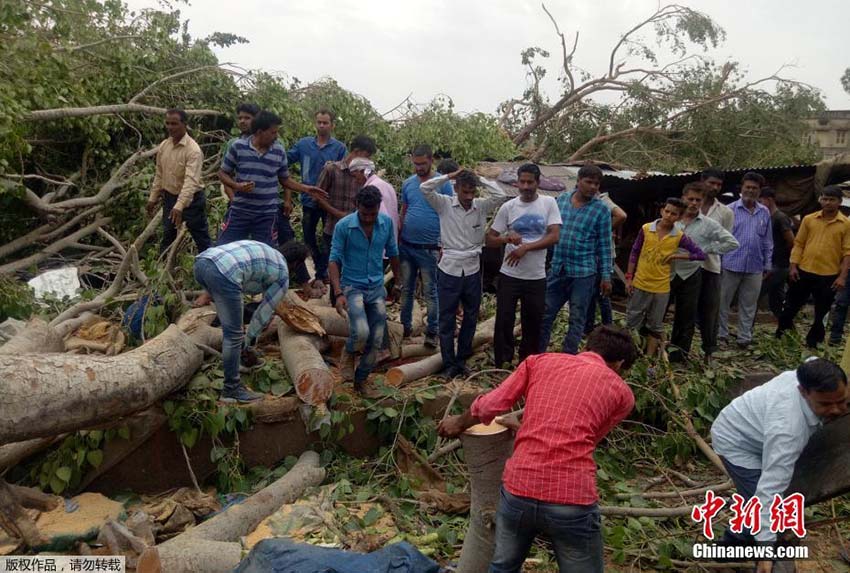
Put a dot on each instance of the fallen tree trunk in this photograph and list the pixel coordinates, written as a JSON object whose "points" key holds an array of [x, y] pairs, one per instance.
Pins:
{"points": [[821, 470], [337, 325], [14, 453], [433, 364], [47, 394], [37, 337], [196, 323], [311, 377], [214, 545], [486, 449]]}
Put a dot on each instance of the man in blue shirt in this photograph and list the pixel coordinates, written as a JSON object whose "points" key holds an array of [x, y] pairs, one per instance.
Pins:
{"points": [[253, 168], [312, 153], [228, 272], [583, 251], [359, 243], [420, 244]]}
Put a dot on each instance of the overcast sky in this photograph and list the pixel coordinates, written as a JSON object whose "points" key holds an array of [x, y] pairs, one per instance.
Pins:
{"points": [[470, 49]]}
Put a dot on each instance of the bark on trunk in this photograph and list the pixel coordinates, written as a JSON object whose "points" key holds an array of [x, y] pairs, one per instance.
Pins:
{"points": [[433, 364], [36, 337], [822, 472], [73, 392], [214, 545], [485, 454], [196, 323], [13, 454], [311, 377]]}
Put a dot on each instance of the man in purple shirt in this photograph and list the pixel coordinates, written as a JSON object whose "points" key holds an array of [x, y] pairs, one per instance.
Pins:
{"points": [[744, 268]]}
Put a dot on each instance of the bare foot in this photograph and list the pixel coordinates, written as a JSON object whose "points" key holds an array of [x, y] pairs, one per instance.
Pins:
{"points": [[202, 300]]}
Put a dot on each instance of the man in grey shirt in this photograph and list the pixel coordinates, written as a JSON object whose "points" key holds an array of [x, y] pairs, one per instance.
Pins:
{"points": [[686, 284], [760, 435], [463, 221]]}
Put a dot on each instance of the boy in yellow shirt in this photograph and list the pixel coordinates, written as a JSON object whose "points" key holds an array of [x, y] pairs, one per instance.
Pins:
{"points": [[648, 276]]}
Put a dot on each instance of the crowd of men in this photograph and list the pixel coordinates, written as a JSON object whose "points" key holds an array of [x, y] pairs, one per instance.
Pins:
{"points": [[699, 256]]}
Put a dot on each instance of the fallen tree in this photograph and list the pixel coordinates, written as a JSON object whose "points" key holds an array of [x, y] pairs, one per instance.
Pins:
{"points": [[301, 355], [214, 545], [38, 336], [75, 392]]}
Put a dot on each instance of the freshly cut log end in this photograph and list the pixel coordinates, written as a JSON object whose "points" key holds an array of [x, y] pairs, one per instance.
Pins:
{"points": [[313, 380], [486, 449], [75, 392]]}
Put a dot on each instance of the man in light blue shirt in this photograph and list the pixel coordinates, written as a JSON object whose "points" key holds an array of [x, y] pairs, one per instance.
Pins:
{"points": [[760, 435], [359, 243], [420, 244], [312, 153]]}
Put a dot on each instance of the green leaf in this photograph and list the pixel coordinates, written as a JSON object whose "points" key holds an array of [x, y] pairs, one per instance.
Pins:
{"points": [[95, 457], [168, 407], [189, 437], [281, 388], [124, 432], [390, 412], [602, 474], [371, 517], [57, 485], [64, 473]]}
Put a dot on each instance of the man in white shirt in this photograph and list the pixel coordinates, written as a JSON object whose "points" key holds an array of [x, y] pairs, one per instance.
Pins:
{"points": [[463, 220], [527, 225], [760, 435]]}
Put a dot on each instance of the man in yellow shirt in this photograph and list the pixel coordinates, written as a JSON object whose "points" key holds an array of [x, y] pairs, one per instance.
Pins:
{"points": [[819, 263], [177, 184]]}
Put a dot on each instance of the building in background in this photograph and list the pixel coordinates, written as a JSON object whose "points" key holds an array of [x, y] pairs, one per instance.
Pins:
{"points": [[830, 132]]}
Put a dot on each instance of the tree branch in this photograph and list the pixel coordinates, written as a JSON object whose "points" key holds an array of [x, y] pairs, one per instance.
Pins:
{"points": [[56, 247], [68, 112], [174, 76], [94, 44], [567, 57]]}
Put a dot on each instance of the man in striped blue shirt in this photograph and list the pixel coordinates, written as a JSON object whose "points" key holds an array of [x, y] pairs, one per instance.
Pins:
{"points": [[235, 269], [582, 253], [252, 168]]}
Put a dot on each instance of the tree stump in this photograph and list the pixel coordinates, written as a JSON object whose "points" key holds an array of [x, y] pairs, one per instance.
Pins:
{"points": [[486, 449]]}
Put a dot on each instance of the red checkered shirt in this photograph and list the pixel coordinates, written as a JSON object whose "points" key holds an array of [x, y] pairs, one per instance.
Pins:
{"points": [[571, 403]]}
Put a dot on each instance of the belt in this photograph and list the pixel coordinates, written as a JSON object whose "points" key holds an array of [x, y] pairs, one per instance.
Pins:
{"points": [[419, 246]]}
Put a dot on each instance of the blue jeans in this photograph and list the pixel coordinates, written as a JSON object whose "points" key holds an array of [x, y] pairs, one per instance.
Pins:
{"points": [[746, 480], [605, 309], [575, 531], [228, 305], [453, 291], [560, 289], [367, 320], [310, 217], [240, 225], [414, 260]]}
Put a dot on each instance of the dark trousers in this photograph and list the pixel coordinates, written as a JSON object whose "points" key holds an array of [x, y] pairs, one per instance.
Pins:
{"points": [[746, 480], [708, 310], [774, 288], [606, 313], [839, 314], [575, 532], [531, 294], [195, 217], [239, 225], [284, 233], [820, 288], [684, 294], [310, 218], [451, 292]]}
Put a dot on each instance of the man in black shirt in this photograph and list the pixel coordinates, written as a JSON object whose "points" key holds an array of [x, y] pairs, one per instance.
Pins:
{"points": [[775, 285]]}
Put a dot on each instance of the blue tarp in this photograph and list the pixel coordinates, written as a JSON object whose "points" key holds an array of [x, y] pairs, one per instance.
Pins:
{"points": [[282, 555]]}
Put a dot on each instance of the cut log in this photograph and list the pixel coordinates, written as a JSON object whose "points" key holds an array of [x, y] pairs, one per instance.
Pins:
{"points": [[141, 426], [214, 546], [311, 377], [74, 392], [38, 336], [337, 325], [485, 449], [433, 364]]}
